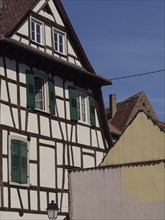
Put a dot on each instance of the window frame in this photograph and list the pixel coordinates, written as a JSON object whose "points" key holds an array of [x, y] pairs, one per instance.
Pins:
{"points": [[45, 89], [24, 140], [48, 91], [41, 25], [63, 34], [79, 107], [74, 110]]}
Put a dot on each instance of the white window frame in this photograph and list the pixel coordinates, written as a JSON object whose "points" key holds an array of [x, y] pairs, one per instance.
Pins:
{"points": [[11, 137], [45, 92], [41, 25], [79, 107], [63, 35]]}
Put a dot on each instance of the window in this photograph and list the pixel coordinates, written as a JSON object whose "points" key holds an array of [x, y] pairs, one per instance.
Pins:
{"points": [[59, 42], [36, 31], [82, 107], [40, 92], [81, 104], [19, 161]]}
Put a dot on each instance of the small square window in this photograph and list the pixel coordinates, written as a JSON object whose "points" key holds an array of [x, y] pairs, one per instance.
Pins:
{"points": [[59, 42], [36, 31]]}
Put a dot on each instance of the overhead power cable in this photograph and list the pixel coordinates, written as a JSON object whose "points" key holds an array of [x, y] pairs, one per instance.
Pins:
{"points": [[136, 75]]}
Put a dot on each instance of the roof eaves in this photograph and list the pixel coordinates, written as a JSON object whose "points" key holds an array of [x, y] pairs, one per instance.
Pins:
{"points": [[21, 46]]}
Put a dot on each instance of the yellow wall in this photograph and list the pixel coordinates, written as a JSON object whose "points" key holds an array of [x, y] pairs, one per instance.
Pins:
{"points": [[141, 141], [146, 183]]}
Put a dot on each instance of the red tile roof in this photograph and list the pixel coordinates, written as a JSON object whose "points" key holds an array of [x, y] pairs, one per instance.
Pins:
{"points": [[12, 14], [127, 109]]}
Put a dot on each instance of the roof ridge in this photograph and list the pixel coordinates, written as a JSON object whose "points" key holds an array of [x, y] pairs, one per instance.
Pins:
{"points": [[131, 98]]}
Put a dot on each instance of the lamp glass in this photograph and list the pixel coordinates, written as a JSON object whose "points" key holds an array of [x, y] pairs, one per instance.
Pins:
{"points": [[52, 214]]}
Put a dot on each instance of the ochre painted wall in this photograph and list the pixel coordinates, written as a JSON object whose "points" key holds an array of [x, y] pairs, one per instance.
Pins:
{"points": [[141, 141]]}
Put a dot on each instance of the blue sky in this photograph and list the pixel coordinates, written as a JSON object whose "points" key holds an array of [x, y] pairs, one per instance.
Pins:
{"points": [[124, 37]]}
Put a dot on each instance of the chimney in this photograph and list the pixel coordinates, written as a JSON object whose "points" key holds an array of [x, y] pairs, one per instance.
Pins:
{"points": [[112, 105]]}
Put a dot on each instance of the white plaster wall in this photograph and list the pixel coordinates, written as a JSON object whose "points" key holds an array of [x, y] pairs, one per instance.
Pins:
{"points": [[71, 60], [6, 116], [5, 194], [58, 86], [24, 29], [33, 174], [83, 135], [59, 153], [68, 110], [24, 196], [99, 157], [65, 202], [71, 136], [4, 95], [5, 140], [38, 5], [11, 69], [15, 113], [94, 138], [43, 200], [32, 123], [100, 139], [15, 37], [25, 41], [63, 126], [33, 202], [47, 167], [48, 39], [46, 15], [88, 161], [44, 126], [78, 63], [23, 113], [56, 14], [77, 156], [22, 95], [15, 203], [5, 170], [15, 215], [56, 133], [13, 93], [60, 106], [70, 49]]}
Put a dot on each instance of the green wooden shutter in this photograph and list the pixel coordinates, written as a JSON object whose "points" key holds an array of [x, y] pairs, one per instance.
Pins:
{"points": [[92, 111], [73, 104], [18, 161], [51, 98], [30, 85], [15, 160], [23, 170]]}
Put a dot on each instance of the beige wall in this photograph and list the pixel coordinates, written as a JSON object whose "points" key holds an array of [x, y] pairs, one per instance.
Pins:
{"points": [[141, 141]]}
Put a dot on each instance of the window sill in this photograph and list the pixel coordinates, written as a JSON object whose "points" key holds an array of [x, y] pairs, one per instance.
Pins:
{"points": [[43, 112]]}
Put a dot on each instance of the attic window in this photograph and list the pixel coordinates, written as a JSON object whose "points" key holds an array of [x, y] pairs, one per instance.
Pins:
{"points": [[47, 9], [36, 31], [59, 41]]}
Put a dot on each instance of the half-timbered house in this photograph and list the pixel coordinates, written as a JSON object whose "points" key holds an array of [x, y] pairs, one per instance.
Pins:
{"points": [[51, 109]]}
